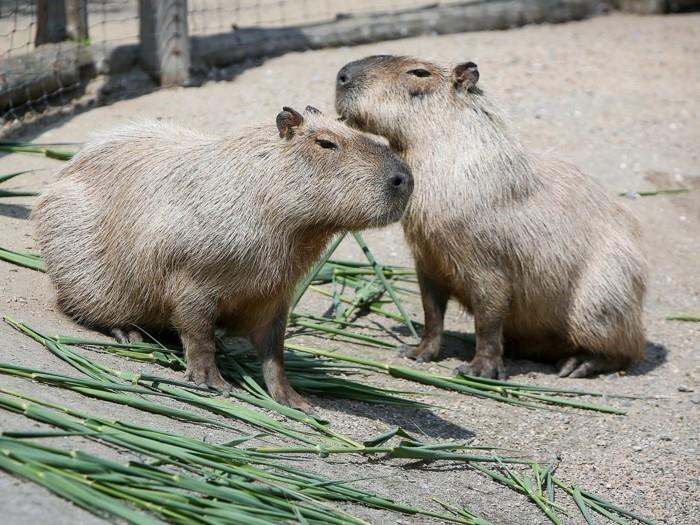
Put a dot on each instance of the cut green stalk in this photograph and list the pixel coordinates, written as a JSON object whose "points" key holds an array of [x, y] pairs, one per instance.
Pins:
{"points": [[508, 394], [471, 518], [654, 192], [39, 149], [26, 260], [304, 284], [15, 193], [345, 333], [220, 406], [692, 318], [390, 290], [271, 481], [5, 178]]}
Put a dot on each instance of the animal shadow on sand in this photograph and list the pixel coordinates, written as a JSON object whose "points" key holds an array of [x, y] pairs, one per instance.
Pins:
{"points": [[420, 422], [16, 211], [462, 345]]}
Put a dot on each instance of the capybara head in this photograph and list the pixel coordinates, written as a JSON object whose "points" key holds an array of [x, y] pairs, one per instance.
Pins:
{"points": [[342, 178], [384, 94]]}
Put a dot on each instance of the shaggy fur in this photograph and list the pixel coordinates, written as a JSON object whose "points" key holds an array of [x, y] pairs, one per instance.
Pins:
{"points": [[160, 227], [537, 251]]}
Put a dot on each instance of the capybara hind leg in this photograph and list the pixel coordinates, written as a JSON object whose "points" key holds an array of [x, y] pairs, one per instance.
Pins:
{"points": [[434, 300], [586, 365], [490, 303], [269, 342]]}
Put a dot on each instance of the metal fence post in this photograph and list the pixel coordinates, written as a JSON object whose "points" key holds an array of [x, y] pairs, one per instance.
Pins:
{"points": [[164, 40], [76, 16], [50, 21]]}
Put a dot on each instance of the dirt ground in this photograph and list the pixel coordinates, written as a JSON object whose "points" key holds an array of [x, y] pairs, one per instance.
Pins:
{"points": [[617, 95]]}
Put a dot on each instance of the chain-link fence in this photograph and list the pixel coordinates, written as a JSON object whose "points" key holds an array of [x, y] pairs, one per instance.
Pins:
{"points": [[51, 49]]}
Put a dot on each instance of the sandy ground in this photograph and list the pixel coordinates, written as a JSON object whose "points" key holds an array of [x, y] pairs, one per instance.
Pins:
{"points": [[620, 97]]}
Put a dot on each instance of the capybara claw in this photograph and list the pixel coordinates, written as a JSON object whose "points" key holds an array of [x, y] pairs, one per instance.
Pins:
{"points": [[486, 368], [289, 397], [124, 338], [208, 375], [587, 365], [417, 353]]}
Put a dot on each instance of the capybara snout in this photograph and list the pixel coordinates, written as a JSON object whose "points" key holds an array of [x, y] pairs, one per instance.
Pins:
{"points": [[349, 166]]}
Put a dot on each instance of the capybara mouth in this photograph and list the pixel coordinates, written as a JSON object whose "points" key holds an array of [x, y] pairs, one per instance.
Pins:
{"points": [[395, 212]]}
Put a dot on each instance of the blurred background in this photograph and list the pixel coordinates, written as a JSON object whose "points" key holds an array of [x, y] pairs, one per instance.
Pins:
{"points": [[51, 49]]}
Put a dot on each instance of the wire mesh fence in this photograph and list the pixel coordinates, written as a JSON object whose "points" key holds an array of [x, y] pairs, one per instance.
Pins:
{"points": [[51, 49]]}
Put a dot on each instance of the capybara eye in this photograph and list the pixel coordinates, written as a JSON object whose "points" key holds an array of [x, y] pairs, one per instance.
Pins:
{"points": [[326, 144], [419, 72]]}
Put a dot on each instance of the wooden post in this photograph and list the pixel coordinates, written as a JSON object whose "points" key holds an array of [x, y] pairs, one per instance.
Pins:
{"points": [[76, 15], [164, 40], [50, 22], [644, 7]]}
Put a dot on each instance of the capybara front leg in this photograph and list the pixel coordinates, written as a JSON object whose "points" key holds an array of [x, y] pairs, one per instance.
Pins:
{"points": [[200, 352], [269, 342], [434, 300], [490, 301], [195, 323]]}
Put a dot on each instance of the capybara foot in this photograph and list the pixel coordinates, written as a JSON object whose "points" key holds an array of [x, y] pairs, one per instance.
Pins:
{"points": [[418, 353], [124, 338], [205, 372], [286, 395], [490, 368], [586, 365]]}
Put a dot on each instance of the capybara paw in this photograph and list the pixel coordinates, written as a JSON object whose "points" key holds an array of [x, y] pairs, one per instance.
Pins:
{"points": [[207, 374], [417, 353], [583, 365], [483, 367], [123, 337], [289, 397]]}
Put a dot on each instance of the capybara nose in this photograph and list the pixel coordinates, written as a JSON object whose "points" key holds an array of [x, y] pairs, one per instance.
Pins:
{"points": [[348, 73], [401, 180], [398, 179]]}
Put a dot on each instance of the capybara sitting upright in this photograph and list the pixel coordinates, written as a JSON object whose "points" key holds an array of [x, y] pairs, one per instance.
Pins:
{"points": [[158, 226], [539, 253]]}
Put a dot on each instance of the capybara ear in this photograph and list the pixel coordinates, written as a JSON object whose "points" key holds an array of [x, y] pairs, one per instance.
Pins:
{"points": [[465, 75], [313, 110], [287, 120]]}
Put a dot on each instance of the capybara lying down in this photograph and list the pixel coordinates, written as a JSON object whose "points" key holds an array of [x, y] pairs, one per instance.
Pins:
{"points": [[539, 253], [158, 226]]}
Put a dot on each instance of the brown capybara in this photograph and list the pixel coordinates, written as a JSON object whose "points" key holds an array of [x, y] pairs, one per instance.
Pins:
{"points": [[161, 227], [540, 254]]}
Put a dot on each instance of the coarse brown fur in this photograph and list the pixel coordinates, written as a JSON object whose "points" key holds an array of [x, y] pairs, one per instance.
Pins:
{"points": [[539, 253], [158, 226]]}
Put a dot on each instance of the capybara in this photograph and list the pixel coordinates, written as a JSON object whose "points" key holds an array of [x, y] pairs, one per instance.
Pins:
{"points": [[538, 252], [161, 227]]}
